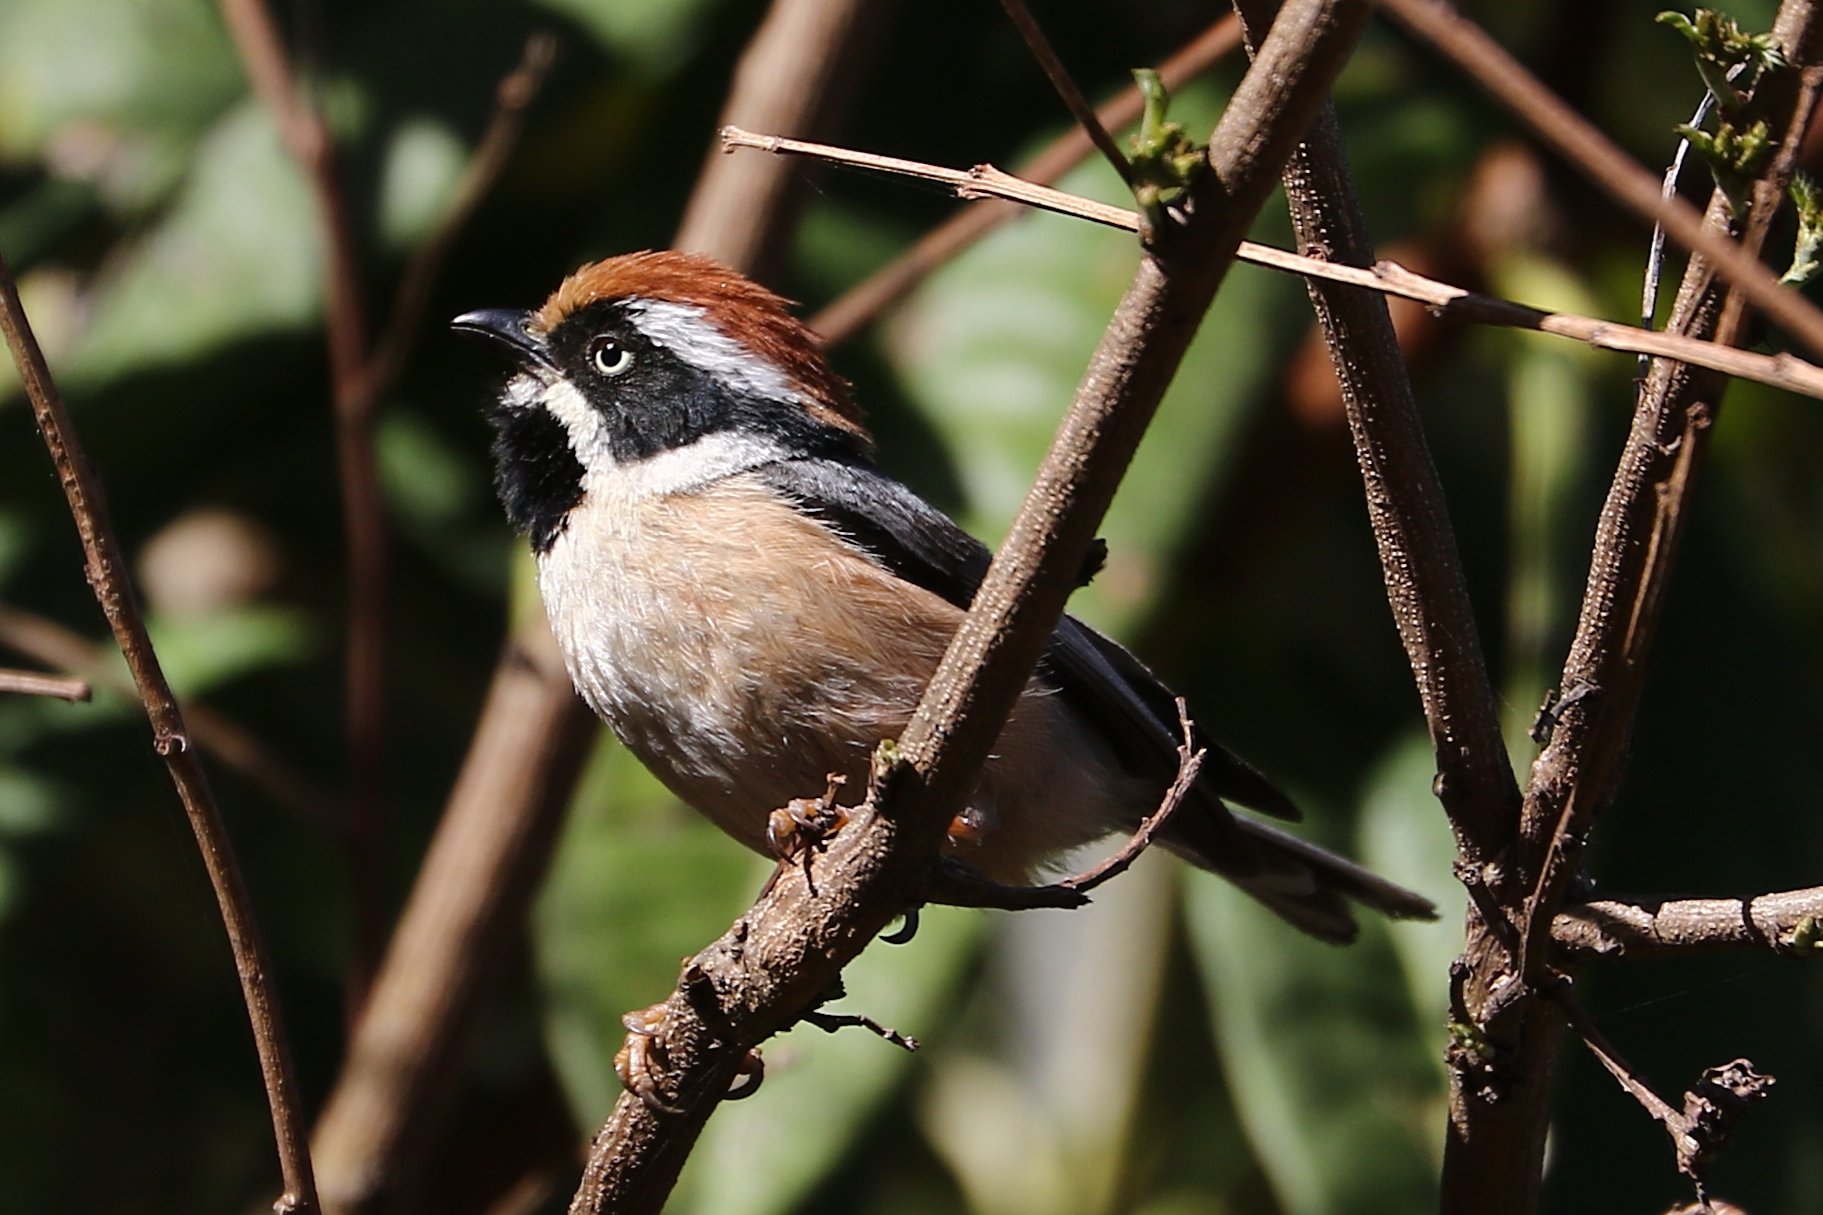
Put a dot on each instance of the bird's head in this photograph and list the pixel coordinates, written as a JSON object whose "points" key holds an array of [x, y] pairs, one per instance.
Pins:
{"points": [[654, 373]]}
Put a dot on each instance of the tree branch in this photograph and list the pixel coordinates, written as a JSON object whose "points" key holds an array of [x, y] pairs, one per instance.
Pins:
{"points": [[1788, 922], [306, 136], [37, 683], [468, 903], [105, 567], [1603, 162], [1643, 522], [1387, 278], [778, 958], [1078, 105], [862, 303]]}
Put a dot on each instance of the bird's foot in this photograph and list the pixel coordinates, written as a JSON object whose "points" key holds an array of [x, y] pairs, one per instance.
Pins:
{"points": [[640, 1061], [804, 827]]}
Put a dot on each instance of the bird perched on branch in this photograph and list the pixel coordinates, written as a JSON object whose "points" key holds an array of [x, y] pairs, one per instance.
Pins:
{"points": [[752, 605]]}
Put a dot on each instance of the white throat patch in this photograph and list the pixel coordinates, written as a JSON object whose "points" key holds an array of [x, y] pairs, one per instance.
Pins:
{"points": [[701, 462]]}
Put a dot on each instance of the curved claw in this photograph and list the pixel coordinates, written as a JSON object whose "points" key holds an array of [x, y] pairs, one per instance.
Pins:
{"points": [[748, 1080], [639, 1063], [908, 928]]}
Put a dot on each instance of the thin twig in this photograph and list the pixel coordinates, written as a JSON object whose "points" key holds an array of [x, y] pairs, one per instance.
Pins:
{"points": [[1655, 252], [306, 136], [1606, 1055], [37, 683], [1189, 763], [1060, 79], [1644, 517], [468, 903], [44, 640], [105, 566], [1787, 922], [1603, 162], [1389, 278], [513, 98], [860, 304], [781, 954]]}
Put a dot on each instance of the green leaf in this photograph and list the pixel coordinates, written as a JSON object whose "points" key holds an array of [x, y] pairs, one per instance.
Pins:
{"points": [[1404, 836], [1327, 1060], [202, 652], [1044, 1127], [112, 90], [236, 255], [649, 33]]}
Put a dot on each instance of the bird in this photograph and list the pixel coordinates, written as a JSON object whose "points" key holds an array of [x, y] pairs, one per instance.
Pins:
{"points": [[752, 605]]}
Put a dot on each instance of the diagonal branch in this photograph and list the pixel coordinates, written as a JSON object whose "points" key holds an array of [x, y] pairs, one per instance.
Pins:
{"points": [[1643, 522], [1388, 278], [779, 957], [468, 903], [105, 566], [862, 303], [1604, 163], [1061, 80]]}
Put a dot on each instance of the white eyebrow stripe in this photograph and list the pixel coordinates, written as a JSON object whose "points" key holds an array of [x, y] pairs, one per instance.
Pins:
{"points": [[687, 332]]}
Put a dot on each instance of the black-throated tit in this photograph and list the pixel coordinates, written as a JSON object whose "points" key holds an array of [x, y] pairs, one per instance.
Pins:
{"points": [[751, 604]]}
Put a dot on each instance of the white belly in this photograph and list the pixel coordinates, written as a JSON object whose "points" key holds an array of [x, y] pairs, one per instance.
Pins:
{"points": [[744, 657]]}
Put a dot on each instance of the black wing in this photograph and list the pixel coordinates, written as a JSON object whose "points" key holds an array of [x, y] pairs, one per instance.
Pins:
{"points": [[1134, 712]]}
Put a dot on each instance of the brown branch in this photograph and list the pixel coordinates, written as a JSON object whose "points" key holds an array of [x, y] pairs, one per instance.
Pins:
{"points": [[468, 903], [359, 378], [1604, 163], [862, 303], [1073, 100], [1426, 588], [1643, 522], [1711, 1108], [1388, 278], [105, 567], [1428, 594], [513, 98], [306, 137], [783, 953], [37, 683], [742, 214], [234, 745], [1787, 922]]}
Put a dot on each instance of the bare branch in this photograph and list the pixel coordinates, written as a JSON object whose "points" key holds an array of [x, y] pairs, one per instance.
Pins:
{"points": [[1388, 278], [234, 745], [1642, 523], [514, 98], [106, 569], [1788, 922], [470, 898], [307, 138], [860, 304], [778, 957], [37, 683], [1603, 162], [1060, 79]]}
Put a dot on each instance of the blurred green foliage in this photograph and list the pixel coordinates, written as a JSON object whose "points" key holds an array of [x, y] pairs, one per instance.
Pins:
{"points": [[1172, 1049]]}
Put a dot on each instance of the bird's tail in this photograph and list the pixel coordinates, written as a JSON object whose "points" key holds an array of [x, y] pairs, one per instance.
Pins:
{"points": [[1311, 887]]}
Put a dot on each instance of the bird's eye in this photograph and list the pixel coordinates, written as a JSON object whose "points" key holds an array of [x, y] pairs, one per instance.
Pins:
{"points": [[609, 356]]}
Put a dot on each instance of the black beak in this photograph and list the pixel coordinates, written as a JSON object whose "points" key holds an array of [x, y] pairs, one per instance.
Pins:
{"points": [[511, 328]]}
